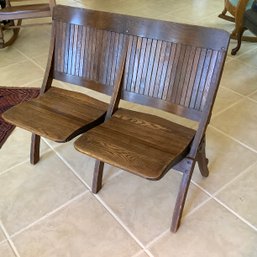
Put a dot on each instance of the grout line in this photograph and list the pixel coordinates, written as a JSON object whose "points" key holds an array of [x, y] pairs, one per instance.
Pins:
{"points": [[30, 59], [198, 206], [49, 214], [236, 214], [227, 208], [4, 240], [234, 179], [214, 115], [125, 227], [68, 165], [21, 163], [251, 99], [9, 240], [232, 138], [100, 200], [13, 167], [157, 238], [147, 252]]}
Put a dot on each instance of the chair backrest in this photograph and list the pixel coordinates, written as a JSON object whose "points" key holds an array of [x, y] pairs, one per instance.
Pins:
{"points": [[173, 66], [170, 66], [86, 52]]}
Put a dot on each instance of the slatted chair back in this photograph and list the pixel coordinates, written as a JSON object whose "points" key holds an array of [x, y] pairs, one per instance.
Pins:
{"points": [[171, 67], [86, 52]]}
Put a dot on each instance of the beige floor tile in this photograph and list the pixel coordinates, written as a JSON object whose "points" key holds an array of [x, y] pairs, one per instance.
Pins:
{"points": [[84, 228], [2, 237], [241, 196], [250, 56], [227, 159], [41, 60], [33, 41], [6, 251], [29, 192], [245, 48], [9, 56], [19, 74], [81, 163], [240, 122], [254, 96], [143, 254], [196, 11], [239, 77], [17, 149], [146, 206], [211, 231], [224, 99]]}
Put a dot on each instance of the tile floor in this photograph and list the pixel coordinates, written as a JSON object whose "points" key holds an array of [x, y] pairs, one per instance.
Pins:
{"points": [[47, 210]]}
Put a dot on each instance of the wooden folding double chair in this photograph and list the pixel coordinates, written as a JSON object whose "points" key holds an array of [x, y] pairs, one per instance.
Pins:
{"points": [[169, 66]]}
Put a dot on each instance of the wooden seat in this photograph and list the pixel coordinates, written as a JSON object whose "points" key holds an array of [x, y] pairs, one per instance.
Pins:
{"points": [[138, 142], [169, 66], [58, 114], [11, 17], [79, 55]]}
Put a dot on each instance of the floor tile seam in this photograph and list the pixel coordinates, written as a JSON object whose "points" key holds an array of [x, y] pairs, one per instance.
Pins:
{"points": [[21, 163], [111, 212], [3, 241], [9, 240], [208, 17], [157, 238], [12, 64], [235, 214], [239, 54], [74, 172], [227, 208], [232, 90], [233, 138], [49, 214], [247, 170], [251, 99], [147, 252], [30, 59], [214, 115], [123, 225], [245, 62]]}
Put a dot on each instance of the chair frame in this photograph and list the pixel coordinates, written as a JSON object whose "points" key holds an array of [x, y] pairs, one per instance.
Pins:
{"points": [[12, 16], [178, 33], [52, 73], [237, 13]]}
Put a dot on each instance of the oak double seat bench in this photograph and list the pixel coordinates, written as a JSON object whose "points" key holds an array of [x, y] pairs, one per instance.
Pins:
{"points": [[172, 67]]}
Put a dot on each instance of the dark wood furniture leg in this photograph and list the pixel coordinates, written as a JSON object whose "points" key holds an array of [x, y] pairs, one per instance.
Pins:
{"points": [[98, 175], [202, 159], [239, 40], [181, 198], [35, 149]]}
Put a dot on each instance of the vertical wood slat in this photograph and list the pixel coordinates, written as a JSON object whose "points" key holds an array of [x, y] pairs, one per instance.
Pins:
{"points": [[169, 71], [87, 52]]}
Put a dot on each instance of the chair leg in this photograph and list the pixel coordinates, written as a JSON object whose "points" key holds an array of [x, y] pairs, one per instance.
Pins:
{"points": [[226, 17], [181, 198], [202, 159], [35, 149], [239, 40], [1, 37], [98, 175]]}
